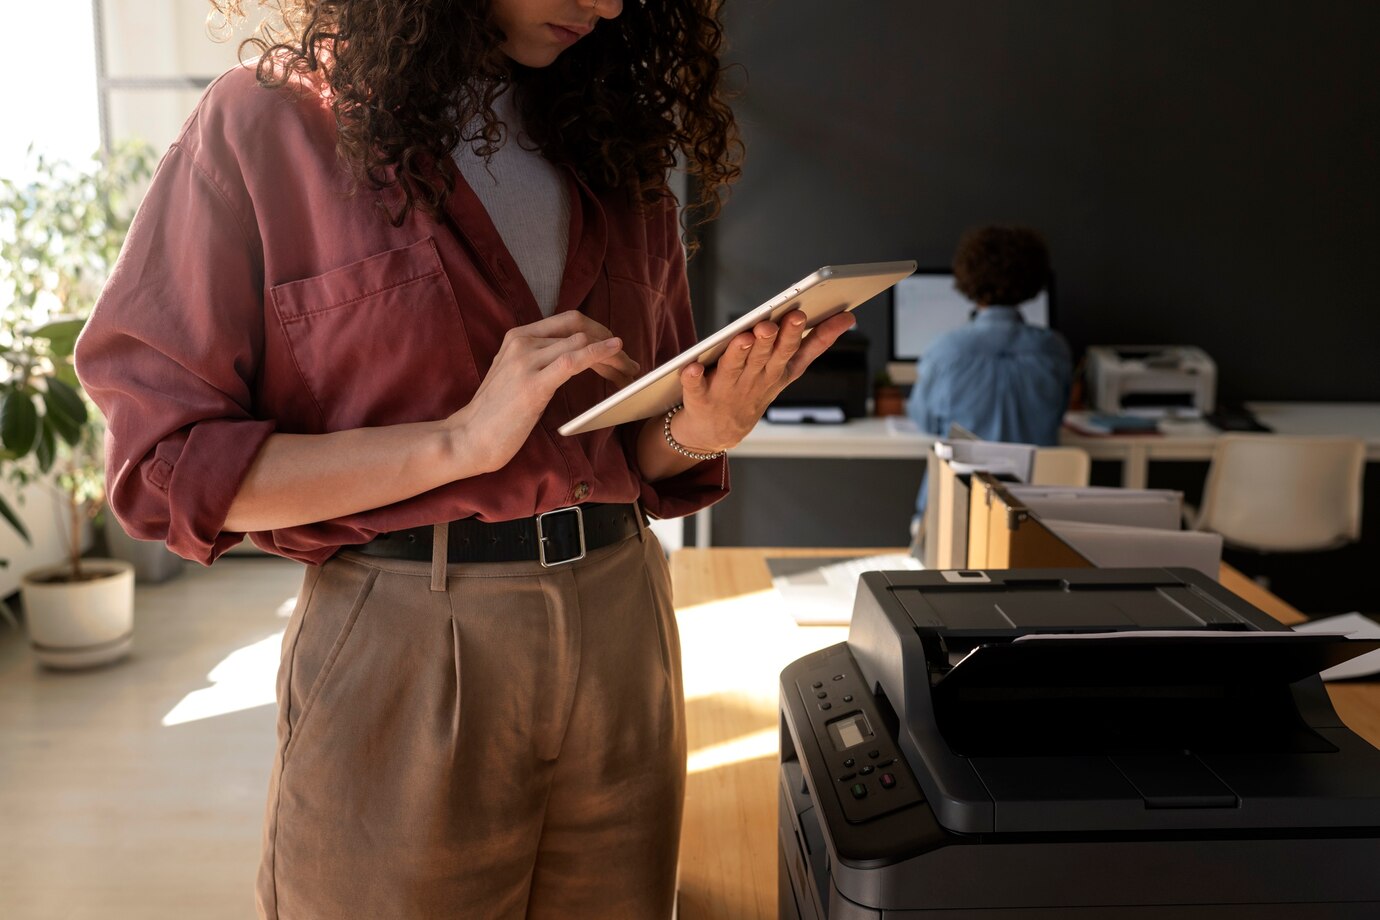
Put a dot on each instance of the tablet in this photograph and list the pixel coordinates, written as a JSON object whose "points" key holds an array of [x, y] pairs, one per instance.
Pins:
{"points": [[831, 290]]}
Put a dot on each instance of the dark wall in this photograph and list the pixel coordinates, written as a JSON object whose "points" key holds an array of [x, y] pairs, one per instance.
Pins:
{"points": [[1204, 172]]}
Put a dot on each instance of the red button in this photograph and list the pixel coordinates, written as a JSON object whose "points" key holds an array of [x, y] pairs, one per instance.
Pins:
{"points": [[888, 781]]}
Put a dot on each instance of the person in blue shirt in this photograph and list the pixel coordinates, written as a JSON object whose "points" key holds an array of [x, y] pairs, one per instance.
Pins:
{"points": [[998, 377]]}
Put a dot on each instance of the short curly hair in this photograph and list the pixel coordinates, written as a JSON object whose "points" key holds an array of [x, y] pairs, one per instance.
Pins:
{"points": [[1001, 266]]}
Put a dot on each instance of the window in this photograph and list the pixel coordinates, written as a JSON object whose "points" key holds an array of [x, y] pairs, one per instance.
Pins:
{"points": [[153, 60], [51, 107]]}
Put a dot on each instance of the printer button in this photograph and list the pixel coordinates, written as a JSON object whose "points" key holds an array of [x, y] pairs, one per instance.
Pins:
{"points": [[888, 781], [838, 677], [859, 791], [874, 754], [849, 762], [822, 695], [847, 776], [826, 705], [867, 769], [848, 697], [887, 763], [817, 684]]}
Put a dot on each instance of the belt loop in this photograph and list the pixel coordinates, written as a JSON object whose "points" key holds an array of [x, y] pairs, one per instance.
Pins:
{"points": [[641, 521], [440, 551]]}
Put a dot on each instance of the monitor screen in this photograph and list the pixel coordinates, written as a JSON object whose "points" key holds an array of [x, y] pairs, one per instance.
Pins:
{"points": [[926, 305]]}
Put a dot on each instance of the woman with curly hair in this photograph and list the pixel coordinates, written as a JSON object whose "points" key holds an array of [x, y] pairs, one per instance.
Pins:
{"points": [[372, 277]]}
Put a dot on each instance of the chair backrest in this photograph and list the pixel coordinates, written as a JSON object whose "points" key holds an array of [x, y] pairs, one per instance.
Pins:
{"points": [[1278, 493], [1061, 466]]}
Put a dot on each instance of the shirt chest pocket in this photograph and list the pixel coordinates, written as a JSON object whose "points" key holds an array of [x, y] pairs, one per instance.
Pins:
{"points": [[379, 341], [637, 299]]}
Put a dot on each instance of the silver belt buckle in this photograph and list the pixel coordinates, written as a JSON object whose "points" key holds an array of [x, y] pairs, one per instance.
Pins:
{"points": [[541, 536]]}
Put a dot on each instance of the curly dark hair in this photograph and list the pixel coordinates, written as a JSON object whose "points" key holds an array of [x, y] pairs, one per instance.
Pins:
{"points": [[1001, 266], [405, 78]]}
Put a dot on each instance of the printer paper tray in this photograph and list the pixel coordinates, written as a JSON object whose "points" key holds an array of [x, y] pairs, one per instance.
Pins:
{"points": [[1136, 694], [1141, 659]]}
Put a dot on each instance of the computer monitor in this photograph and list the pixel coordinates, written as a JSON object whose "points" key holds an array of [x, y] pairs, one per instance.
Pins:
{"points": [[926, 305]]}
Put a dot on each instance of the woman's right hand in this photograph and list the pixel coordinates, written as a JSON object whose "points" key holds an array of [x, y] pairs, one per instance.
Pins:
{"points": [[532, 363]]}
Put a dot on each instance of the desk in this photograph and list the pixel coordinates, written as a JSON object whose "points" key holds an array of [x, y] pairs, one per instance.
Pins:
{"points": [[1194, 440], [879, 439], [860, 439], [728, 842], [883, 439]]}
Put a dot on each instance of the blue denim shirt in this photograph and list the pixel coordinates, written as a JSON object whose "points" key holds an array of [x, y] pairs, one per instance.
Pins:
{"points": [[998, 377]]}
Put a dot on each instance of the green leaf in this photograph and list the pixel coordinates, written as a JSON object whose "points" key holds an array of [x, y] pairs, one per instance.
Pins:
{"points": [[8, 513], [62, 399], [18, 422], [47, 445], [65, 372], [62, 334], [66, 429]]}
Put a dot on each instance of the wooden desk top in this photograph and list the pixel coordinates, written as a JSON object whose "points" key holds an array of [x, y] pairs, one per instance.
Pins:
{"points": [[735, 639], [882, 438]]}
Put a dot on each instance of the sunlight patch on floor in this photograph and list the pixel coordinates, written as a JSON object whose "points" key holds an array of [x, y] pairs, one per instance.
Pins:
{"points": [[243, 680], [748, 747], [745, 634]]}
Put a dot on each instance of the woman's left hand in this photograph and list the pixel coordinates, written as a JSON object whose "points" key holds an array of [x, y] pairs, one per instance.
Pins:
{"points": [[723, 404]]}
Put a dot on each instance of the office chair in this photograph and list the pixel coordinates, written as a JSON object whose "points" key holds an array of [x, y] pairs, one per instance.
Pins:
{"points": [[1272, 493], [1061, 466]]}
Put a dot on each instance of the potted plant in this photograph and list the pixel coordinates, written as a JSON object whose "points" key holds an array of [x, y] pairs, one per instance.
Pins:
{"points": [[60, 233], [887, 397]]}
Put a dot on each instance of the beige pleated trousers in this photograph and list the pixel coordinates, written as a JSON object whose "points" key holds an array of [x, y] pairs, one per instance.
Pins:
{"points": [[490, 741]]}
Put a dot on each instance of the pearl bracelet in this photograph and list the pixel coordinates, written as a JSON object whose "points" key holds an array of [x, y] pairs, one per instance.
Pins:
{"points": [[680, 448]]}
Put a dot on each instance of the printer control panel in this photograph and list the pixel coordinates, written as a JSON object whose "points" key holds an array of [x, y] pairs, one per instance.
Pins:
{"points": [[863, 763]]}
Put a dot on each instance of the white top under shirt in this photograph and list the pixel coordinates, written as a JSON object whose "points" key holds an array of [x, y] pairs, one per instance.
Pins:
{"points": [[527, 200]]}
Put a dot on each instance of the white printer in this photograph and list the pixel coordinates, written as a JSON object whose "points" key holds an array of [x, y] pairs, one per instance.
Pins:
{"points": [[1155, 380]]}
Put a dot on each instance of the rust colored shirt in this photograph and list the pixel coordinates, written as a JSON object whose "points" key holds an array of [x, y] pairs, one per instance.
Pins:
{"points": [[254, 295]]}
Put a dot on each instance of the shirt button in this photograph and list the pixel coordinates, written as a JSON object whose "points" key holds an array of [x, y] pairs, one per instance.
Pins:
{"points": [[581, 491]]}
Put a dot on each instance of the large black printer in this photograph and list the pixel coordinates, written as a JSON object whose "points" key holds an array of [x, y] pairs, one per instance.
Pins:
{"points": [[1085, 743]]}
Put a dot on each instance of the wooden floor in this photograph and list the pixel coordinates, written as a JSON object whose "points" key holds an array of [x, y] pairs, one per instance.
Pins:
{"points": [[136, 792], [108, 813]]}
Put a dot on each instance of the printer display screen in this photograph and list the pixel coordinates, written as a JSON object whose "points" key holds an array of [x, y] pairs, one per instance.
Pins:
{"points": [[850, 731]]}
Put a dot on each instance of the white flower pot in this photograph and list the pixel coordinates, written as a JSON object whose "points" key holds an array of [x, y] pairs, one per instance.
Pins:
{"points": [[80, 624]]}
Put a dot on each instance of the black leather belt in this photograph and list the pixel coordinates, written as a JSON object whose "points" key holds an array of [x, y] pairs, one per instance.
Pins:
{"points": [[552, 538]]}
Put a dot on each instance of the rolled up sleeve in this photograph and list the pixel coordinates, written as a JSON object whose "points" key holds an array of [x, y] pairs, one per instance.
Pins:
{"points": [[170, 354], [706, 482]]}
